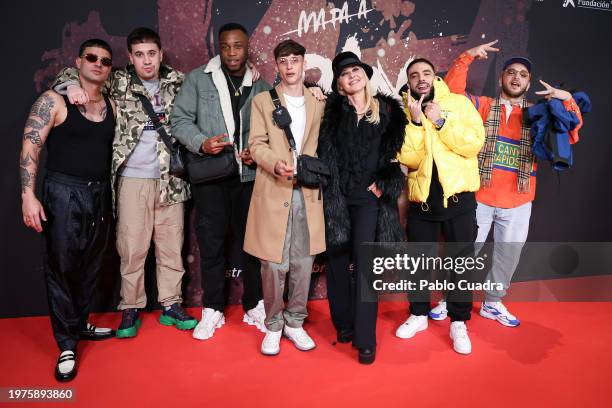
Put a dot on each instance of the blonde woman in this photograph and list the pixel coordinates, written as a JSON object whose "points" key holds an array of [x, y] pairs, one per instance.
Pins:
{"points": [[360, 137]]}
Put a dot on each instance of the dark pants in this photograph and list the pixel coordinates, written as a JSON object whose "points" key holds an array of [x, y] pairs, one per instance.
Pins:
{"points": [[221, 206], [461, 228], [76, 235], [350, 308]]}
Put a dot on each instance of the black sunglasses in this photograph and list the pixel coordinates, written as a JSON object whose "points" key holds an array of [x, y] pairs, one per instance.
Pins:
{"points": [[93, 58]]}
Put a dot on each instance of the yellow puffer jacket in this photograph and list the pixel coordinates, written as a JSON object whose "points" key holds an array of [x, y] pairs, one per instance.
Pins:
{"points": [[454, 148]]}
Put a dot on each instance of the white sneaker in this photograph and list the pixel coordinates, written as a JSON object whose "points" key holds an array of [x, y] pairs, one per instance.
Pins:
{"points": [[256, 317], [211, 320], [497, 311], [300, 338], [411, 326], [439, 312], [270, 346], [461, 340]]}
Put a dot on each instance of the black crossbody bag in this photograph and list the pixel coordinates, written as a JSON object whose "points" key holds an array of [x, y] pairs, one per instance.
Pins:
{"points": [[312, 172], [193, 167], [177, 164], [208, 168]]}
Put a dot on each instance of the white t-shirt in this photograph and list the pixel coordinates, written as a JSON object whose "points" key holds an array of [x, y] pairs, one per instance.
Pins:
{"points": [[297, 109]]}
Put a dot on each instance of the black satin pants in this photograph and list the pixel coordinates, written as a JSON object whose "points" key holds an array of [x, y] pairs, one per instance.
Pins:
{"points": [[76, 236]]}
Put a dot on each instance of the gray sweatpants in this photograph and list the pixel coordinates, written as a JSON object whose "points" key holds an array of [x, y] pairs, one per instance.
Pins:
{"points": [[510, 228]]}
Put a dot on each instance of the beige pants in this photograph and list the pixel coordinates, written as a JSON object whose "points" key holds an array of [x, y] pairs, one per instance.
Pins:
{"points": [[142, 218], [296, 261]]}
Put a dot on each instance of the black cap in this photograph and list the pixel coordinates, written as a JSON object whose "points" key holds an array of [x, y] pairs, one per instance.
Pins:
{"points": [[518, 60], [347, 59]]}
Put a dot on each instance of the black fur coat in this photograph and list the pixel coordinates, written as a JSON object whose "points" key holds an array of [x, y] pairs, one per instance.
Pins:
{"points": [[388, 177]]}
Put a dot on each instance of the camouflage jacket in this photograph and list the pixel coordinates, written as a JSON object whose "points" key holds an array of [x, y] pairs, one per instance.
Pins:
{"points": [[131, 119]]}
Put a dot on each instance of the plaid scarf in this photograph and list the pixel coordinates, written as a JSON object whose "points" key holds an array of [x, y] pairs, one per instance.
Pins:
{"points": [[487, 153]]}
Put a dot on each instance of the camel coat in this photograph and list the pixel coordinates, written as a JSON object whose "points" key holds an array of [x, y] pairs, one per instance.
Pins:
{"points": [[271, 199]]}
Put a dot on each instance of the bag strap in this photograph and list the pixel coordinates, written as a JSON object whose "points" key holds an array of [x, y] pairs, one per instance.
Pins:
{"points": [[148, 107], [287, 129]]}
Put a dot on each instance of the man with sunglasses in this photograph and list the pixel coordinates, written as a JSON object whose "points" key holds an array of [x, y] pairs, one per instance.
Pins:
{"points": [[507, 170], [74, 216], [148, 199]]}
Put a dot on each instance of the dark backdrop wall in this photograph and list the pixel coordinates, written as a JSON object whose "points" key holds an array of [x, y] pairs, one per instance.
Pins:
{"points": [[568, 44]]}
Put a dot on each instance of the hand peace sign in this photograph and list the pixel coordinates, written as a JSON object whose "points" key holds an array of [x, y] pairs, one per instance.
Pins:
{"points": [[480, 52], [551, 92]]}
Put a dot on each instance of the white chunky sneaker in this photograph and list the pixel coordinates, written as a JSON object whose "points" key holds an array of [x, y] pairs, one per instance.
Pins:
{"points": [[270, 346], [411, 326], [211, 320], [256, 316], [497, 311], [300, 338], [439, 312], [461, 340]]}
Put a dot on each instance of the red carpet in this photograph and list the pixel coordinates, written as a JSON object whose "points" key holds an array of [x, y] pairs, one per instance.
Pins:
{"points": [[560, 356]]}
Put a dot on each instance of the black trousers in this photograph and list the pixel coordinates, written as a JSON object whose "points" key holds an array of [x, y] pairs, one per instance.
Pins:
{"points": [[462, 228], [75, 238], [350, 307], [221, 206]]}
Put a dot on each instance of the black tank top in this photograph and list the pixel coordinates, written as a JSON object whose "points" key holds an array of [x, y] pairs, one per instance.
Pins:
{"points": [[80, 147]]}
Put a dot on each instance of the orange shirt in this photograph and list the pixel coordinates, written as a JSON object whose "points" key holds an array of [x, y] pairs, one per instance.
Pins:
{"points": [[503, 192]]}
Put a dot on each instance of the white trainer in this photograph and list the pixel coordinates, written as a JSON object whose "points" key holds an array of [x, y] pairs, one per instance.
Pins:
{"points": [[411, 326], [461, 340], [256, 317], [439, 312], [211, 320], [300, 338], [270, 346], [497, 311]]}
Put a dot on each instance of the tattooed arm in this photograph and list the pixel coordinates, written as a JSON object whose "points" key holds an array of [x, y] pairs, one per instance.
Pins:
{"points": [[41, 119]]}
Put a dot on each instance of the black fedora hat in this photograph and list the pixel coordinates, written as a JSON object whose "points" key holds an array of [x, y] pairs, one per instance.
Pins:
{"points": [[347, 59]]}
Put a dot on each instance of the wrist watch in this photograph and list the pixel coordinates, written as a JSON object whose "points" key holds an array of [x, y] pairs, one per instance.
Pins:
{"points": [[439, 123]]}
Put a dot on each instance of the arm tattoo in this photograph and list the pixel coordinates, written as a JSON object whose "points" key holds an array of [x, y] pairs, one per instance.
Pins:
{"points": [[42, 109], [33, 137], [39, 117], [27, 160], [38, 120], [26, 179], [33, 123], [28, 176]]}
